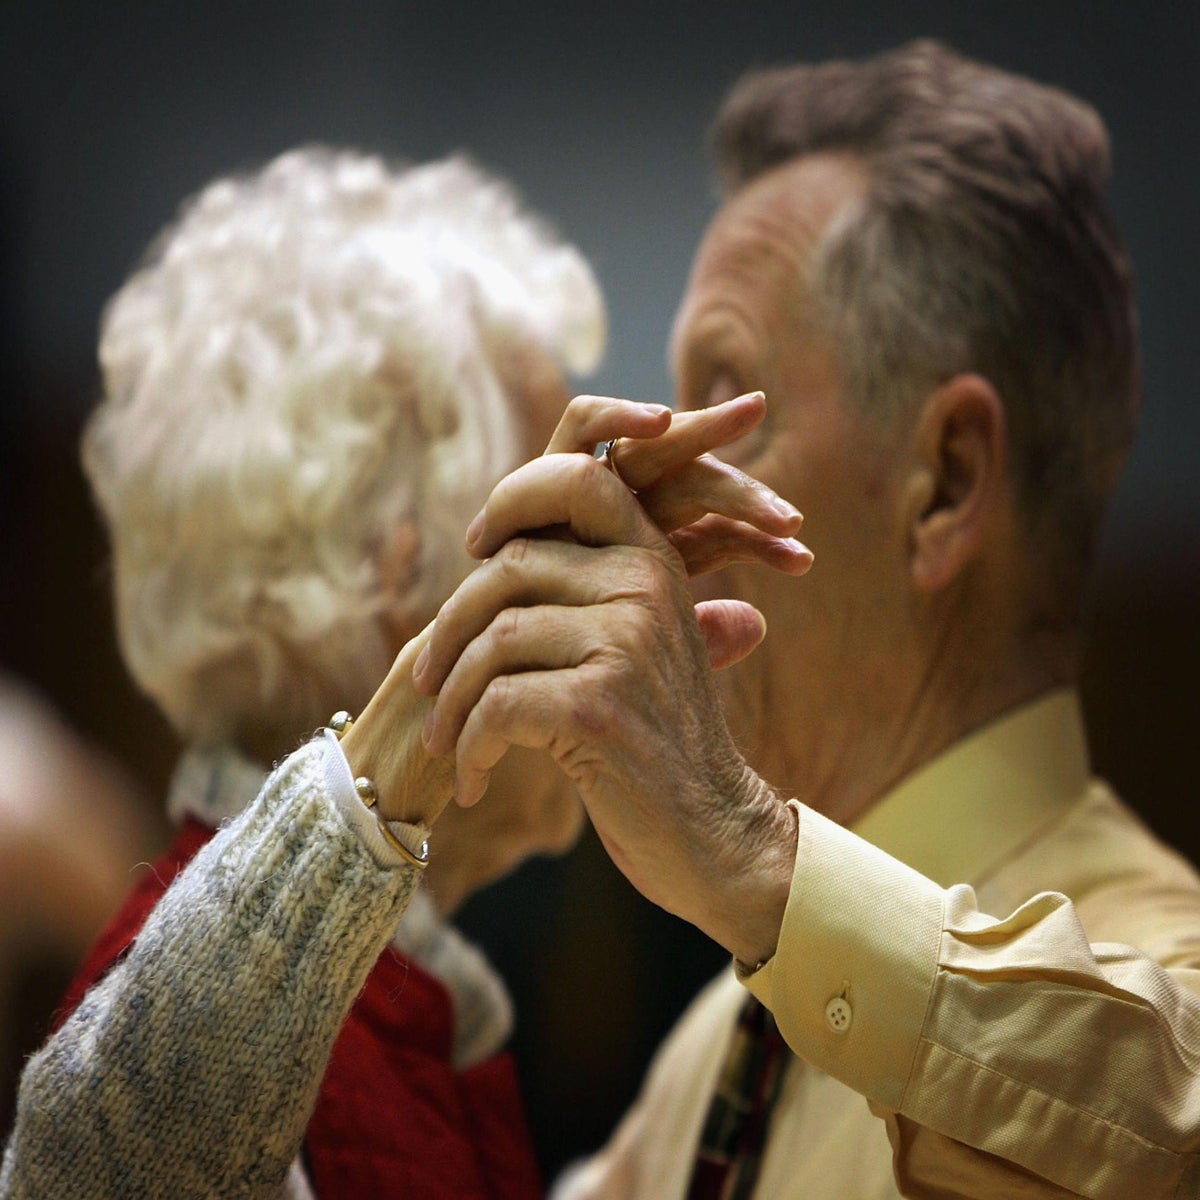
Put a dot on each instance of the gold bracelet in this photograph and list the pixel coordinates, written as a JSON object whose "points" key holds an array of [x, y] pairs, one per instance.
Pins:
{"points": [[340, 722]]}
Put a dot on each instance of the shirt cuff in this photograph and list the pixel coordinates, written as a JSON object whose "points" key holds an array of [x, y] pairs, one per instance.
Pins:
{"points": [[340, 781], [850, 982]]}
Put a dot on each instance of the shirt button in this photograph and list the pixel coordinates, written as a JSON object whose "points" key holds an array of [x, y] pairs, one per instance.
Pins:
{"points": [[838, 1014]]}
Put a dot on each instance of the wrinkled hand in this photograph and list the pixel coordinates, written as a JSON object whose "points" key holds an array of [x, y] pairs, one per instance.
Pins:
{"points": [[712, 513], [590, 649]]}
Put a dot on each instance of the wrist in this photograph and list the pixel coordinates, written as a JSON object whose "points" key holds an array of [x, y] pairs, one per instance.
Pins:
{"points": [[756, 879], [384, 744], [390, 843]]}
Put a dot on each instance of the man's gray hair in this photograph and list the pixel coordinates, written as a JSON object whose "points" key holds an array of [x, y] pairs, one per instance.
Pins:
{"points": [[316, 357], [983, 243]]}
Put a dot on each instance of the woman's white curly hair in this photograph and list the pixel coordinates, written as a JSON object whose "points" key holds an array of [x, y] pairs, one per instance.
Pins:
{"points": [[313, 357]]}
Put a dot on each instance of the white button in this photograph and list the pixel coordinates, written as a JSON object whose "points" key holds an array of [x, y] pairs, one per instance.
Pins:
{"points": [[838, 1014]]}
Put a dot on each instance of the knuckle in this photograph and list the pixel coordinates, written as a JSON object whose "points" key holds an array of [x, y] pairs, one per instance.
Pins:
{"points": [[494, 704], [591, 480], [509, 569], [507, 574], [583, 402], [581, 411], [592, 716], [445, 629], [652, 580], [513, 554], [507, 625]]}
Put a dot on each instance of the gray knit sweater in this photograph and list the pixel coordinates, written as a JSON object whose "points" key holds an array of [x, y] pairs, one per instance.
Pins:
{"points": [[192, 1068]]}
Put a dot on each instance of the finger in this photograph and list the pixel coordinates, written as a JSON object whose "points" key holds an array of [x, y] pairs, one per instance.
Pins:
{"points": [[732, 630], [561, 489], [591, 419], [515, 710], [641, 463], [525, 571], [707, 485], [544, 638], [714, 542]]}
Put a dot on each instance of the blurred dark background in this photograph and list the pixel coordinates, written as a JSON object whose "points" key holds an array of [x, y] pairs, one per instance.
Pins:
{"points": [[110, 113]]}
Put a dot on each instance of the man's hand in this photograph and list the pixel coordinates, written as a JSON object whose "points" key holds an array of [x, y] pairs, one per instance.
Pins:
{"points": [[712, 513], [590, 649]]}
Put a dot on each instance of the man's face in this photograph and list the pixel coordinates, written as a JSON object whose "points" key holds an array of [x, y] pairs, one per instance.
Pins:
{"points": [[747, 321]]}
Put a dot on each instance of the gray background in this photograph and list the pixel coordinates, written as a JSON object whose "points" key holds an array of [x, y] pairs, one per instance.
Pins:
{"points": [[111, 113]]}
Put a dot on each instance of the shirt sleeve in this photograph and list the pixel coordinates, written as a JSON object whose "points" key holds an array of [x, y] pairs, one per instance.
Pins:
{"points": [[192, 1068], [1007, 1056]]}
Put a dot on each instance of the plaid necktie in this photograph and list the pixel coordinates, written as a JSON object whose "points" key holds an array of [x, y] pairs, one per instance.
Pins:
{"points": [[734, 1133]]}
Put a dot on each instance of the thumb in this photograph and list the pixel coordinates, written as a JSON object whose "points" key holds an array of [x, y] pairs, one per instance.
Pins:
{"points": [[732, 630]]}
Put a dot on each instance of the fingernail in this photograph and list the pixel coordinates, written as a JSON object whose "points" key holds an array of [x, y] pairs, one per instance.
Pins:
{"points": [[784, 509], [427, 730], [419, 665], [757, 394], [468, 794], [475, 528], [462, 795]]}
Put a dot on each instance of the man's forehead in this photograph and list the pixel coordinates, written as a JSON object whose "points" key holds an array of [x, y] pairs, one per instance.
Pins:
{"points": [[794, 201], [762, 238]]}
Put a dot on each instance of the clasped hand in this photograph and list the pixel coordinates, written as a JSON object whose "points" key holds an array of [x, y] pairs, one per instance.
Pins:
{"points": [[579, 636]]}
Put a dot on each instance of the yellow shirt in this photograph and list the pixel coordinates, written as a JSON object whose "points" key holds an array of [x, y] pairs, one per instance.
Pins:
{"points": [[1035, 1054]]}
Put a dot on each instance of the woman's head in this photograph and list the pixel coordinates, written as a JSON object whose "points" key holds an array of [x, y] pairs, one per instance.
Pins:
{"points": [[309, 388]]}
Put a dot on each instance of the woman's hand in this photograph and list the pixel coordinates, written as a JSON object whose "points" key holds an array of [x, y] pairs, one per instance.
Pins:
{"points": [[711, 513], [587, 646], [384, 743]]}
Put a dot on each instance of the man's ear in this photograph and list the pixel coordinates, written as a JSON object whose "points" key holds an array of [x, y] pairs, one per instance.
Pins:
{"points": [[961, 446]]}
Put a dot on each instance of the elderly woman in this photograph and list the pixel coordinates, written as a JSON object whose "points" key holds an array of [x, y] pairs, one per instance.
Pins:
{"points": [[310, 388]]}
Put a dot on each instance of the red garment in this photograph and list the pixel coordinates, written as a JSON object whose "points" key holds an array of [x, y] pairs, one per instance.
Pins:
{"points": [[394, 1118]]}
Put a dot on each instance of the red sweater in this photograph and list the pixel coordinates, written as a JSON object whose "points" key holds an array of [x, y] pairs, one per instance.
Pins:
{"points": [[394, 1117]]}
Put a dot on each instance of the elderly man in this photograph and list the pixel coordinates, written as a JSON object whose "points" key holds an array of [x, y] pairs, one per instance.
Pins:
{"points": [[987, 972]]}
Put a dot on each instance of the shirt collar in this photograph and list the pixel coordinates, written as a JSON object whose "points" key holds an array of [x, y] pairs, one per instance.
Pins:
{"points": [[212, 784], [960, 816]]}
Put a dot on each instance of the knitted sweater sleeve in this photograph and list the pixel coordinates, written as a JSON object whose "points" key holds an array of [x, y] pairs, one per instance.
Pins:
{"points": [[192, 1068]]}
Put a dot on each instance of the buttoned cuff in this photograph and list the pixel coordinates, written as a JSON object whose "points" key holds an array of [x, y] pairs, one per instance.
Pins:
{"points": [[851, 979]]}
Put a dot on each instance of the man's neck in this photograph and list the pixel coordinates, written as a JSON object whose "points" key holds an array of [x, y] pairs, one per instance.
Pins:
{"points": [[861, 759]]}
